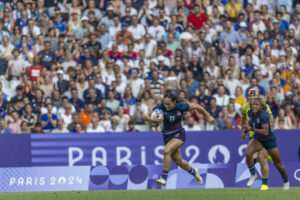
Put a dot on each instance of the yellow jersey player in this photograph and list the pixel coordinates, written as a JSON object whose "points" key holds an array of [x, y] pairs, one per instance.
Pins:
{"points": [[262, 155]]}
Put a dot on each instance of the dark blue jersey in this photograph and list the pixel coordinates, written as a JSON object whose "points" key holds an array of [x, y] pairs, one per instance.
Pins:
{"points": [[172, 119], [258, 120]]}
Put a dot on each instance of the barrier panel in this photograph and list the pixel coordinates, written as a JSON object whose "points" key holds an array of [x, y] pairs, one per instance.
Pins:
{"points": [[65, 162], [142, 148], [136, 177]]}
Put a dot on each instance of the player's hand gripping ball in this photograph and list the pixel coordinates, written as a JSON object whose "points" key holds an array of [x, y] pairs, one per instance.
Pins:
{"points": [[157, 117]]}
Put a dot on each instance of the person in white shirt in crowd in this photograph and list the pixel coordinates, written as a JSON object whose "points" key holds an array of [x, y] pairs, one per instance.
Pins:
{"points": [[115, 128], [114, 29], [95, 126], [106, 122], [135, 83], [122, 119], [156, 30], [218, 4], [16, 65], [138, 31], [92, 7], [31, 29], [61, 126], [221, 98], [191, 125], [128, 4], [230, 82], [66, 116], [137, 111]]}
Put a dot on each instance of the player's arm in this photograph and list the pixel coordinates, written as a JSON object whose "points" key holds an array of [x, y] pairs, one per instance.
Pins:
{"points": [[199, 108], [264, 131], [147, 117], [265, 124]]}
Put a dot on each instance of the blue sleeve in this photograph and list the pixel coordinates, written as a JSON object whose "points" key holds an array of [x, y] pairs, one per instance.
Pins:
{"points": [[262, 91], [54, 117], [238, 38], [264, 118], [183, 107], [44, 118], [159, 106]]}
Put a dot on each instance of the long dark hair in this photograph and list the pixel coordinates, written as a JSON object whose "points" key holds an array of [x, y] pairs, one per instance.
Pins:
{"points": [[171, 95]]}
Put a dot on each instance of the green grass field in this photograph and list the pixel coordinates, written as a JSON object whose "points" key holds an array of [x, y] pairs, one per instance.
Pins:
{"points": [[193, 194]]}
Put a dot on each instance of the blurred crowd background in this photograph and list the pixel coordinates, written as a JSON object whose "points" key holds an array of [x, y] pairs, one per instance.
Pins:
{"points": [[100, 65]]}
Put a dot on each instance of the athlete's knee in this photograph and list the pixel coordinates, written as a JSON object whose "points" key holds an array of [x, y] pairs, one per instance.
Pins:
{"points": [[166, 152], [263, 156]]}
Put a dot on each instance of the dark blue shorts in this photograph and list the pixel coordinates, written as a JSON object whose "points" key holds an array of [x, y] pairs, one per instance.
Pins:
{"points": [[180, 136], [268, 143]]}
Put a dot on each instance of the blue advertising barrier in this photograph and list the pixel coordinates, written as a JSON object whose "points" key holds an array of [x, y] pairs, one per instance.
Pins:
{"points": [[137, 177], [66, 162], [142, 148]]}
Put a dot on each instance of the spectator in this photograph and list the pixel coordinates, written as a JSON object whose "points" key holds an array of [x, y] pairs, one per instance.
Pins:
{"points": [[46, 55], [239, 97], [94, 126], [233, 9], [137, 111], [24, 128], [75, 119], [105, 121], [131, 127], [3, 127], [192, 84], [49, 120], [228, 124], [229, 44], [197, 18], [16, 66], [221, 98], [282, 121], [86, 115], [122, 119], [191, 125], [156, 31], [61, 127], [29, 117], [258, 24], [112, 103], [254, 84], [75, 101], [213, 108]]}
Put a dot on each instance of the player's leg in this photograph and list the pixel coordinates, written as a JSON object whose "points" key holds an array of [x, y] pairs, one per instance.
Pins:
{"points": [[264, 166], [255, 157], [177, 158], [253, 147], [274, 153], [170, 147]]}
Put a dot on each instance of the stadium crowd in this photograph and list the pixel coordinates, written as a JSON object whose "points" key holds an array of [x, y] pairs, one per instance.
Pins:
{"points": [[99, 65]]}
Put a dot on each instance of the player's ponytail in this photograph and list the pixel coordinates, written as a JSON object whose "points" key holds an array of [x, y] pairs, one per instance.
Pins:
{"points": [[172, 96]]}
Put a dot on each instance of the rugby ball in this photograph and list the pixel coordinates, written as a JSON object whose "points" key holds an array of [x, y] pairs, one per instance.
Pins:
{"points": [[157, 114]]}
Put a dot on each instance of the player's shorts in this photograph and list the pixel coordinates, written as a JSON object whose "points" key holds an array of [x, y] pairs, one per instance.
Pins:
{"points": [[179, 135], [268, 143]]}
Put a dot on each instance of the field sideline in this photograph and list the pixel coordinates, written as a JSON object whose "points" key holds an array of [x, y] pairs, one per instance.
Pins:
{"points": [[205, 194]]}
